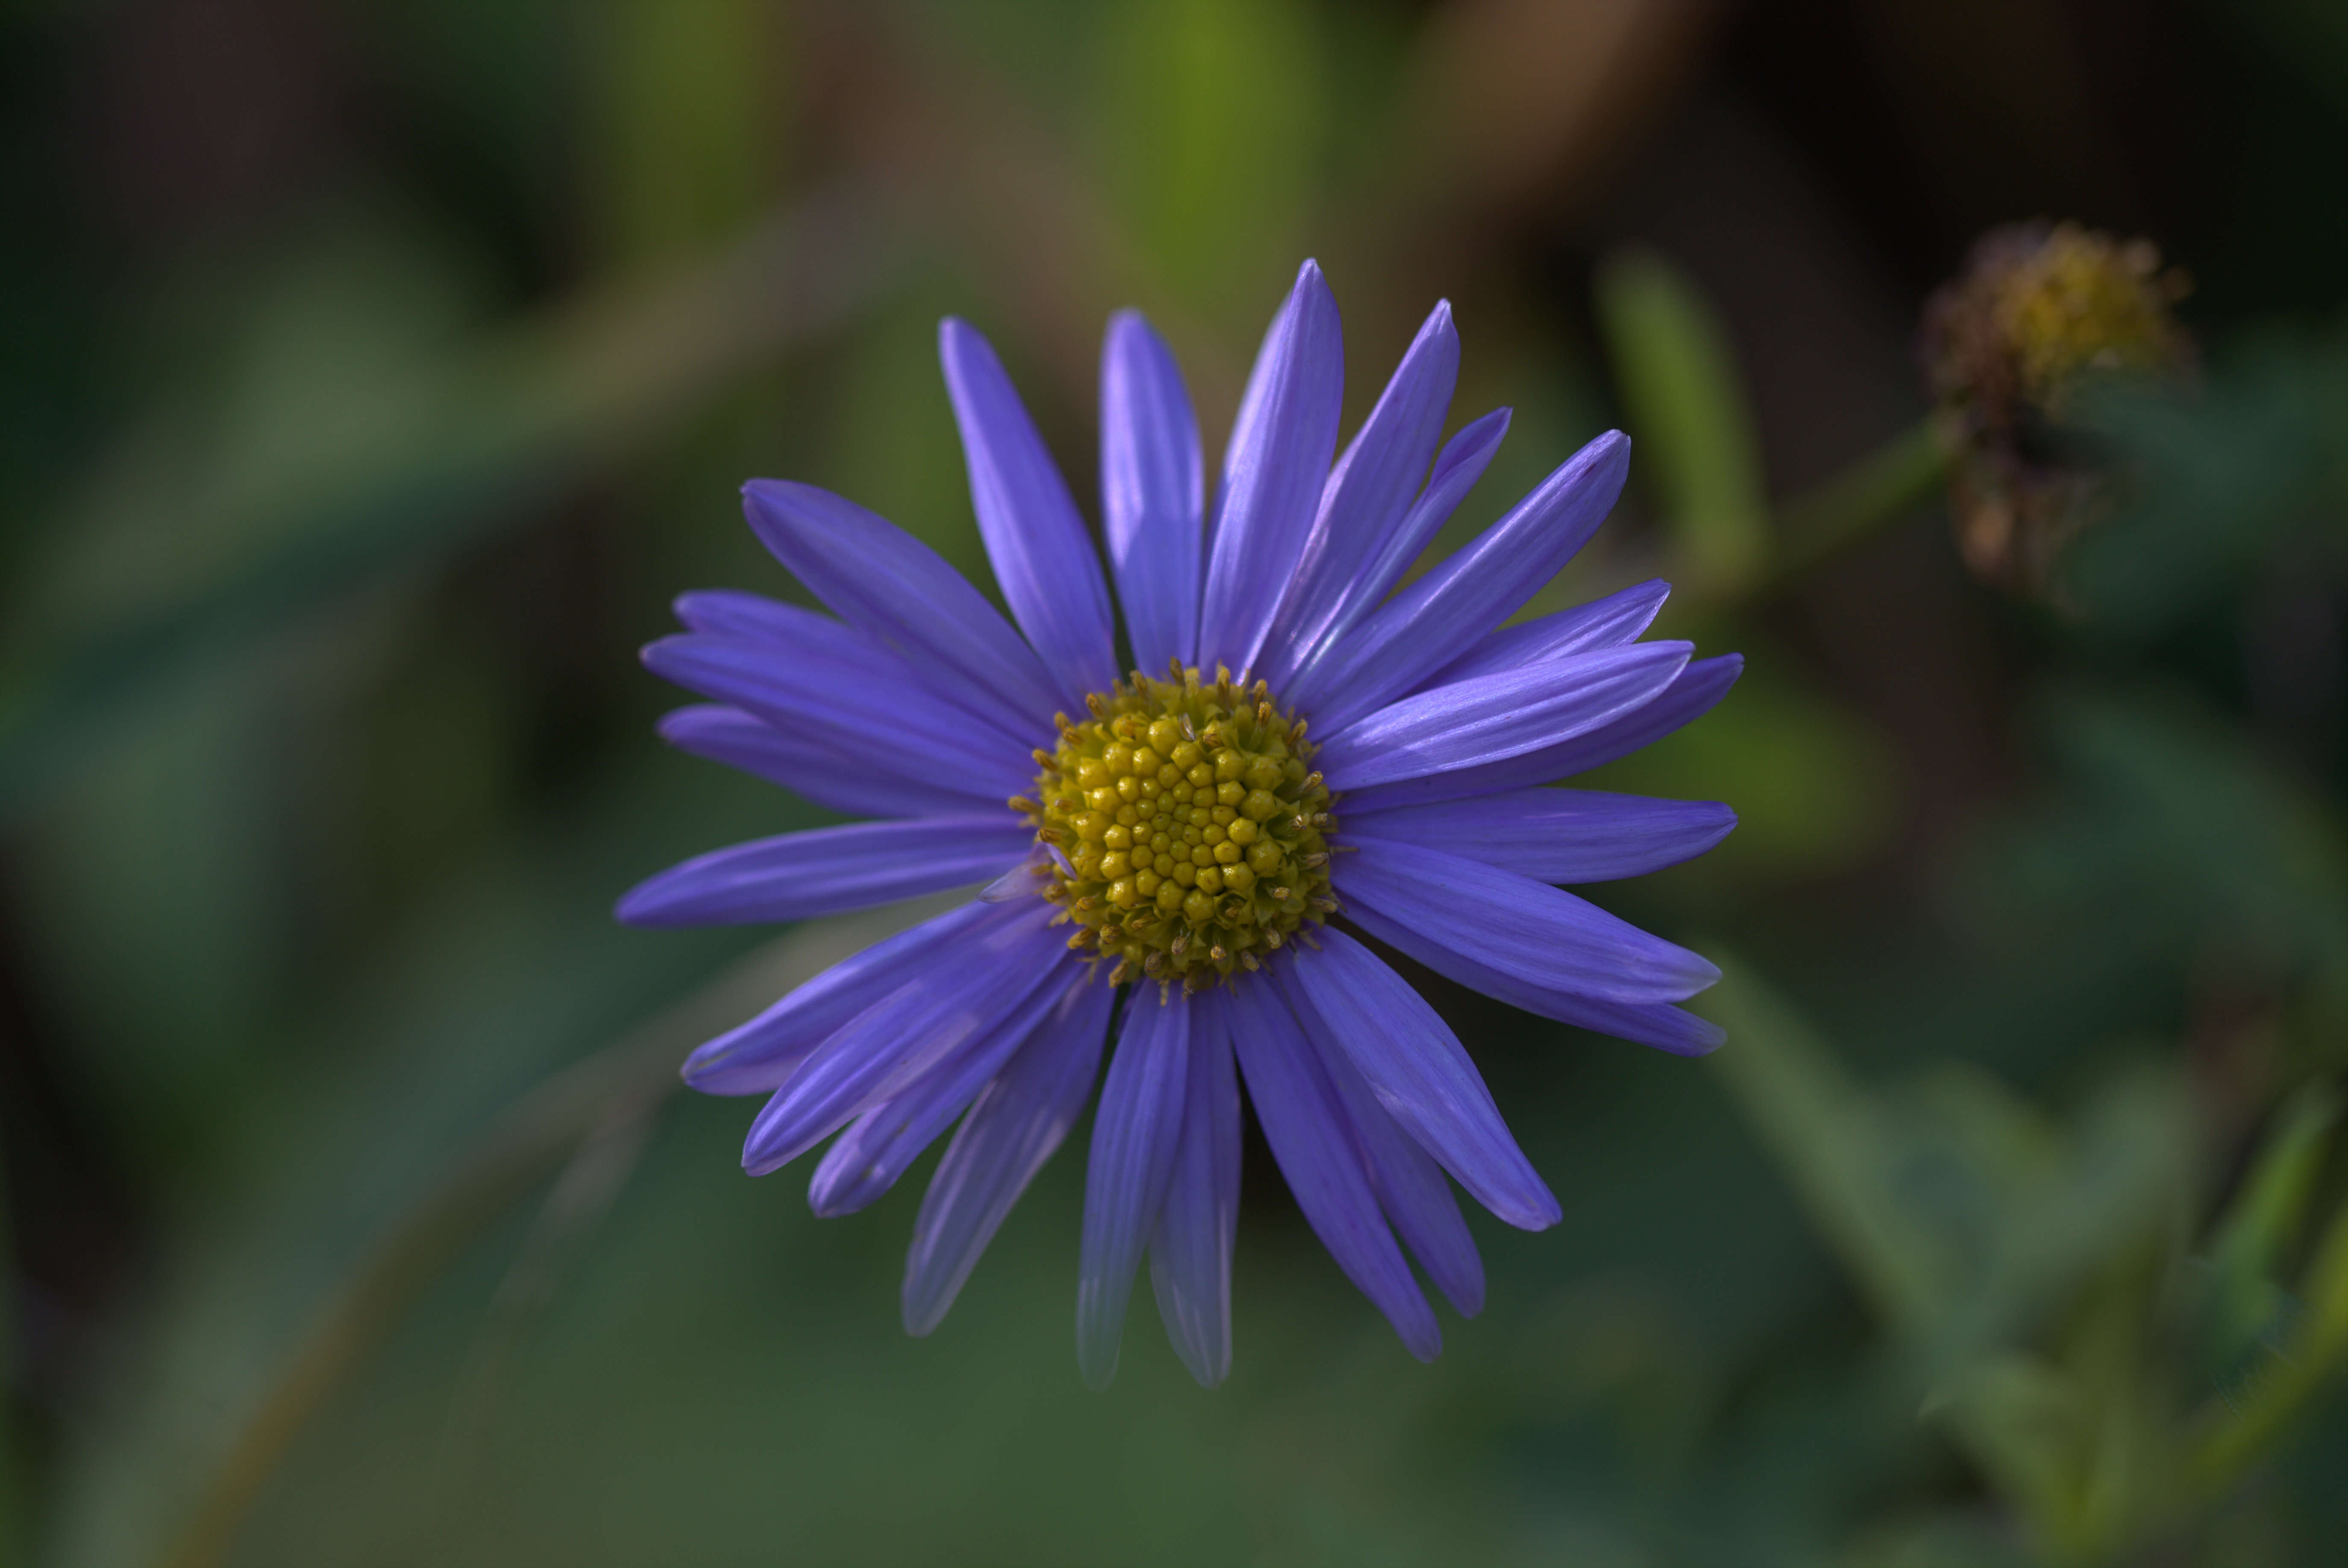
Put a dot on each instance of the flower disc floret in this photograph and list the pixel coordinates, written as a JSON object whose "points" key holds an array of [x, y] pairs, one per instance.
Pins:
{"points": [[1189, 825]]}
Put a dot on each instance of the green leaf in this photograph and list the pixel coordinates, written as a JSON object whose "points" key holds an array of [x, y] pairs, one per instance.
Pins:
{"points": [[478, 434], [1685, 406], [2246, 1301], [2244, 1433], [1827, 1136]]}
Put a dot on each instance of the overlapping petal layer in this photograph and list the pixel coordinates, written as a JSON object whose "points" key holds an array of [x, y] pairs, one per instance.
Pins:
{"points": [[1367, 496], [1489, 719], [1190, 1251], [1315, 1144], [1557, 835], [1449, 610], [1520, 927], [877, 577], [828, 871], [1017, 1122], [1137, 1133], [1152, 493], [797, 760], [1272, 473]]}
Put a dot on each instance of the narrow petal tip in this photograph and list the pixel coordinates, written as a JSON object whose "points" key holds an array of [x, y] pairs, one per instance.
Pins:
{"points": [[957, 338]]}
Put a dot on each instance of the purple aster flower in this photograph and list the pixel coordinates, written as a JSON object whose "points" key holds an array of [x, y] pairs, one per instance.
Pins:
{"points": [[1163, 849]]}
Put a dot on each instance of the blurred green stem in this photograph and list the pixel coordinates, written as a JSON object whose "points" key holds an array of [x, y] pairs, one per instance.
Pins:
{"points": [[538, 1136], [1880, 488]]}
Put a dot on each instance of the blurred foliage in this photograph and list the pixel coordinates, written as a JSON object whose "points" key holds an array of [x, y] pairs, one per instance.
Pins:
{"points": [[2043, 1287], [376, 373], [1681, 393]]}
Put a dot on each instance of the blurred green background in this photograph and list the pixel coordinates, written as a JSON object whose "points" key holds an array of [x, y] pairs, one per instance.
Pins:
{"points": [[375, 373]]}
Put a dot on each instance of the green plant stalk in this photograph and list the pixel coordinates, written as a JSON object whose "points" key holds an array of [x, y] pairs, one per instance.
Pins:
{"points": [[2312, 1360], [1900, 476]]}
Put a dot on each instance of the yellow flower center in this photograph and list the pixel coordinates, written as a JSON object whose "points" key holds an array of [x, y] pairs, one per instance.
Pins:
{"points": [[1189, 828]]}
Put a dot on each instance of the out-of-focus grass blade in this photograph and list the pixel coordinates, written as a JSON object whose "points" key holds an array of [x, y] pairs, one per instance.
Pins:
{"points": [[2240, 1435], [1209, 122], [1685, 406], [1964, 1213], [1824, 1132], [2245, 1297], [523, 419], [613, 1091]]}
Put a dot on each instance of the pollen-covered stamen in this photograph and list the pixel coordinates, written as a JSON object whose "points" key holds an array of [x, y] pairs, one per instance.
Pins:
{"points": [[1189, 826]]}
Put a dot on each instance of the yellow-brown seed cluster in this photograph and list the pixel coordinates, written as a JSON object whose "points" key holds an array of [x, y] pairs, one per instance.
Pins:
{"points": [[2041, 312], [1189, 827]]}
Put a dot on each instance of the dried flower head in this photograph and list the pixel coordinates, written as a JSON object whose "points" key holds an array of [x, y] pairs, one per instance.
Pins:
{"points": [[2039, 311]]}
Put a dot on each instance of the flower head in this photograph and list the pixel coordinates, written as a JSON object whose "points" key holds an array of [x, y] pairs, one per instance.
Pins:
{"points": [[1292, 740], [2039, 311]]}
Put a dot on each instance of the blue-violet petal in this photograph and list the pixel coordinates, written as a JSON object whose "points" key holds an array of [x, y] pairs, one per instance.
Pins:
{"points": [[1153, 491], [1136, 1135], [1043, 558], [1279, 455]]}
